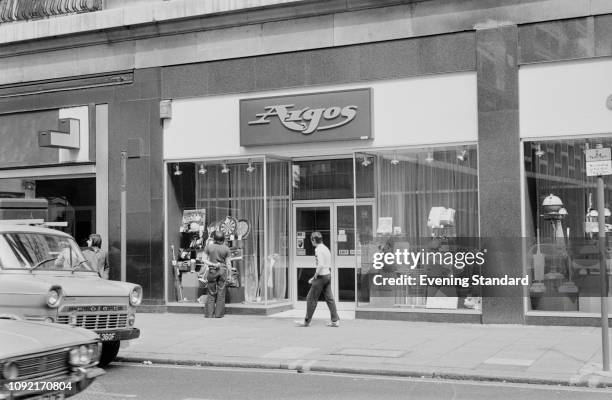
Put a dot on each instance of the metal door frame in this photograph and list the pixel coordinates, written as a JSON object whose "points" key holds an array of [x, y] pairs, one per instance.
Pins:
{"points": [[332, 204]]}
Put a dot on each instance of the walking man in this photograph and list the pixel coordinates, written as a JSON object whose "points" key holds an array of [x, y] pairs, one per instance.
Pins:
{"points": [[218, 262], [320, 283]]}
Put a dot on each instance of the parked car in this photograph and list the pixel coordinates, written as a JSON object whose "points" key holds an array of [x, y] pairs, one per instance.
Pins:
{"points": [[47, 361], [45, 277]]}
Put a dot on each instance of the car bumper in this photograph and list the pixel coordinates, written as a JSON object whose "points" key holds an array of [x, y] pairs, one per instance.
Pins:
{"points": [[119, 334]]}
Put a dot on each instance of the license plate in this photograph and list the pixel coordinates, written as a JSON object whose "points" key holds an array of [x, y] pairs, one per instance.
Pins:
{"points": [[51, 396], [108, 337]]}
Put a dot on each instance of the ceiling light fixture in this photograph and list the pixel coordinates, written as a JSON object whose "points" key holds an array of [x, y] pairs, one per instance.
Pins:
{"points": [[225, 169], [250, 168], [366, 161], [395, 161], [461, 155], [539, 152], [177, 170], [430, 157], [202, 169]]}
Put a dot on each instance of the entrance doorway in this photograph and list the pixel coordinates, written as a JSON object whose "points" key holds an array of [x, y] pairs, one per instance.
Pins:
{"points": [[70, 199], [335, 219]]}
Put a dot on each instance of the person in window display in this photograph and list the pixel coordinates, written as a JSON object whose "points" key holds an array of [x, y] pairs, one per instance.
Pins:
{"points": [[217, 258], [320, 283]]}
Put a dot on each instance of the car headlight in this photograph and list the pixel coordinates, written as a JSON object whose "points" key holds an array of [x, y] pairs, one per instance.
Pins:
{"points": [[10, 371], [54, 297], [97, 352], [136, 295], [84, 355]]}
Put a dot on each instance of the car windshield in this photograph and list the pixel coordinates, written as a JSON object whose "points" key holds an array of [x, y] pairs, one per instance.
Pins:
{"points": [[40, 251]]}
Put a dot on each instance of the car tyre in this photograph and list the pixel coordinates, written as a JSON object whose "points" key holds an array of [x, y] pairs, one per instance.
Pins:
{"points": [[109, 353]]}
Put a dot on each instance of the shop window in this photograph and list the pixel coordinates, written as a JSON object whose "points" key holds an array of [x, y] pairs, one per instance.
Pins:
{"points": [[412, 186], [561, 229], [253, 213]]}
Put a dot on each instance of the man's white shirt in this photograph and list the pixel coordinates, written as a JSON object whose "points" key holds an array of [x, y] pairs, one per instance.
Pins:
{"points": [[323, 259]]}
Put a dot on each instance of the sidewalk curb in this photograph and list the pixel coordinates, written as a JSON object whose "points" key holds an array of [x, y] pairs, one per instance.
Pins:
{"points": [[305, 366]]}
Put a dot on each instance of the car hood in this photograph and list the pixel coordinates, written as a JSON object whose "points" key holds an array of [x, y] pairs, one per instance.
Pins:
{"points": [[25, 337], [87, 286]]}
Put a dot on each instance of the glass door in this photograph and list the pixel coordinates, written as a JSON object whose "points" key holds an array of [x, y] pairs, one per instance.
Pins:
{"points": [[346, 254], [309, 219], [336, 222]]}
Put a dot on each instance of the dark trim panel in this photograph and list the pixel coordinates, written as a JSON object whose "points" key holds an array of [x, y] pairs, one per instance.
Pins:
{"points": [[563, 321], [419, 316], [564, 40], [64, 84], [393, 59]]}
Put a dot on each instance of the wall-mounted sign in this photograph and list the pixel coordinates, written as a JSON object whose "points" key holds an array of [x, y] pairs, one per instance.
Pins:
{"points": [[313, 117], [598, 162], [67, 136]]}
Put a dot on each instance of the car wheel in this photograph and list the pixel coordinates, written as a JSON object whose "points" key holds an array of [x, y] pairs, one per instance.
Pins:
{"points": [[109, 352]]}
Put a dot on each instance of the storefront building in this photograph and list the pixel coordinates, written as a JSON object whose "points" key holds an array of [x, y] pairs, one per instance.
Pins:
{"points": [[354, 153], [355, 120]]}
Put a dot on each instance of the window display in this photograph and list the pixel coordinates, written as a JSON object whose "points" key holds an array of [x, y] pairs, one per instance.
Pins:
{"points": [[252, 212], [561, 225], [426, 200]]}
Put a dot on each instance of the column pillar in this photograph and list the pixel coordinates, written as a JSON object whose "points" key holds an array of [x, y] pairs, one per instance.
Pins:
{"points": [[499, 168]]}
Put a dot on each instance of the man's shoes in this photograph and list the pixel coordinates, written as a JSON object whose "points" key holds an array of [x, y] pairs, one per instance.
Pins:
{"points": [[334, 324], [302, 324]]}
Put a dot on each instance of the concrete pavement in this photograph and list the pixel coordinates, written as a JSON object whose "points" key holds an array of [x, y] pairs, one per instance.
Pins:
{"points": [[526, 354]]}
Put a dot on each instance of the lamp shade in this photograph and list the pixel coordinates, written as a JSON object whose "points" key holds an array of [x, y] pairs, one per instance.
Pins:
{"points": [[552, 203]]}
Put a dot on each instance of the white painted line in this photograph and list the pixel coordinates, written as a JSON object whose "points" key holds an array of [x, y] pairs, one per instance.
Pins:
{"points": [[520, 362]]}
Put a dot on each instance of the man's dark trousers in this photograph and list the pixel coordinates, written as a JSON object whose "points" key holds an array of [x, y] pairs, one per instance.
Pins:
{"points": [[215, 300], [321, 284]]}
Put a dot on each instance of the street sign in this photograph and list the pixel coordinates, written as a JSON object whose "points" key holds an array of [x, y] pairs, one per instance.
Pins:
{"points": [[598, 161], [596, 168], [602, 154]]}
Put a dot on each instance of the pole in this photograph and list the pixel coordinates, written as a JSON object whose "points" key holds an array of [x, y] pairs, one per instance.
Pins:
{"points": [[605, 338], [123, 213]]}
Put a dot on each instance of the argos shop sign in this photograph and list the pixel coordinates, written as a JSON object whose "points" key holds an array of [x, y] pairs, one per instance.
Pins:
{"points": [[314, 117]]}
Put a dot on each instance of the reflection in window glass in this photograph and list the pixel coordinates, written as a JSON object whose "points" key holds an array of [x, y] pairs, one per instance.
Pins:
{"points": [[561, 225], [426, 199]]}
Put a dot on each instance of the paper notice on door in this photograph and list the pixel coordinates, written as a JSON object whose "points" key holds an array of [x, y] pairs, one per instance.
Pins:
{"points": [[342, 238], [301, 252], [343, 252]]}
